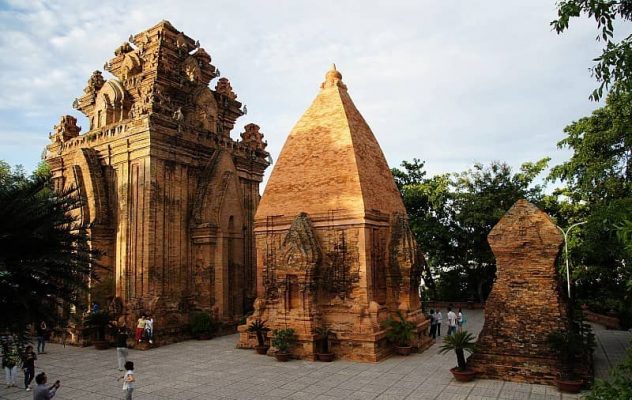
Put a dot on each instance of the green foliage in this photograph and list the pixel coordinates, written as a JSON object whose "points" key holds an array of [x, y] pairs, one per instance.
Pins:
{"points": [[452, 214], [599, 191], [283, 339], [45, 260], [259, 328], [202, 324], [618, 386], [459, 342], [613, 66], [98, 322], [400, 331], [574, 346]]}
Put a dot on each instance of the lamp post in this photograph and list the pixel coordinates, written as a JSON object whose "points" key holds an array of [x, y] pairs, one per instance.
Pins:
{"points": [[568, 274]]}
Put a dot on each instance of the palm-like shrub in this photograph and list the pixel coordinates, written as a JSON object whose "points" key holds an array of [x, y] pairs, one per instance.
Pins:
{"points": [[459, 342], [259, 328], [325, 334], [45, 259], [400, 331]]}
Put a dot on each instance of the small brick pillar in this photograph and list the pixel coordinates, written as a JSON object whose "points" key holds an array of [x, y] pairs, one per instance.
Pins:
{"points": [[526, 302]]}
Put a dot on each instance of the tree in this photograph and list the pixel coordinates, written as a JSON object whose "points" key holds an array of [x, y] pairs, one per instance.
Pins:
{"points": [[45, 260], [598, 178], [613, 68], [452, 214]]}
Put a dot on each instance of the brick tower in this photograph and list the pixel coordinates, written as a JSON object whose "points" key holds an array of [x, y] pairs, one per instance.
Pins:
{"points": [[333, 244], [169, 197], [526, 303]]}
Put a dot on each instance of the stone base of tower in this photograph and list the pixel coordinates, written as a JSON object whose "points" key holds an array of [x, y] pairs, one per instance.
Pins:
{"points": [[368, 346], [515, 368]]}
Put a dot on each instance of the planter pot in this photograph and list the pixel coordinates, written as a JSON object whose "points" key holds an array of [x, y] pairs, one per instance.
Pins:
{"points": [[262, 349], [204, 336], [569, 386], [463, 376], [325, 357], [283, 357], [101, 344], [403, 350]]}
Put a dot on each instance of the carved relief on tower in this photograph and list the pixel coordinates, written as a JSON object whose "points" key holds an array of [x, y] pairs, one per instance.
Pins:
{"points": [[130, 66], [95, 83], [301, 253], [191, 69], [205, 110], [111, 105]]}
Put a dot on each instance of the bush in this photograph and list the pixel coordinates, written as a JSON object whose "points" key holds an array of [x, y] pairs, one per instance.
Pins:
{"points": [[401, 331], [202, 324], [283, 339], [619, 384]]}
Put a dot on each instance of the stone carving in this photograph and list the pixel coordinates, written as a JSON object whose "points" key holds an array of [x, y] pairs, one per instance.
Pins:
{"points": [[526, 302], [223, 87], [171, 208], [332, 238], [66, 129], [252, 138]]}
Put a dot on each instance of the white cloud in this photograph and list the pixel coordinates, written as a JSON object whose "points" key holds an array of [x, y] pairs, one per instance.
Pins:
{"points": [[448, 82]]}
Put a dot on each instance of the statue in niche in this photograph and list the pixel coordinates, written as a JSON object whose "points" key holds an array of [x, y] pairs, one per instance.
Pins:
{"points": [[191, 70], [205, 114]]}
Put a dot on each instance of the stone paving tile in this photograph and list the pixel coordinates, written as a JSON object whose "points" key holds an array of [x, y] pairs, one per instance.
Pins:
{"points": [[200, 370]]}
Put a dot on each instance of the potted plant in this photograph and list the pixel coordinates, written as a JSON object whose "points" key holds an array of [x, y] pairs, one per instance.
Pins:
{"points": [[324, 335], [283, 339], [97, 322], [400, 333], [202, 325], [460, 342], [570, 346], [259, 328]]}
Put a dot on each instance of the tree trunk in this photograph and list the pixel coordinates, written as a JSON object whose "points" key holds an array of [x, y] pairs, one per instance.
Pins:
{"points": [[460, 358]]}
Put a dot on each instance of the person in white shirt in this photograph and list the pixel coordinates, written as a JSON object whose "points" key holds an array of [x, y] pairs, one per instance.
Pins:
{"points": [[128, 380], [439, 319], [149, 328], [451, 321]]}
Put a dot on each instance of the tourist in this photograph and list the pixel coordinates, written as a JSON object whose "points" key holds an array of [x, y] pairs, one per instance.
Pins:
{"points": [[10, 359], [460, 320], [433, 324], [42, 331], [42, 392], [28, 366], [140, 328], [439, 320], [149, 328], [121, 347], [451, 321], [128, 380]]}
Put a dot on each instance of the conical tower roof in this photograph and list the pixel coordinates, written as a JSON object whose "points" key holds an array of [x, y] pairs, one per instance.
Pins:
{"points": [[330, 161]]}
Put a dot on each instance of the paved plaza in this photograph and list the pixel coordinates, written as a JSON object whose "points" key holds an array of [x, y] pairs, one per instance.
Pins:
{"points": [[215, 369]]}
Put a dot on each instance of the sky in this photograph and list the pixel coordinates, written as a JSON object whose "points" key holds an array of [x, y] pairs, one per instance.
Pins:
{"points": [[449, 82]]}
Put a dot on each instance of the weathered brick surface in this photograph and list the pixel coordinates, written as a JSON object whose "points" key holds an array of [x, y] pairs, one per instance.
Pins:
{"points": [[169, 197], [333, 244], [526, 302]]}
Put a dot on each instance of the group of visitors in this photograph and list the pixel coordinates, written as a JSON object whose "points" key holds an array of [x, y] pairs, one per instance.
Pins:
{"points": [[12, 357], [455, 322], [145, 329]]}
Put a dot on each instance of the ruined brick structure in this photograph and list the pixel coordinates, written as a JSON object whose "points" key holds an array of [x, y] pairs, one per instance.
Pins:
{"points": [[526, 302], [169, 196], [333, 244]]}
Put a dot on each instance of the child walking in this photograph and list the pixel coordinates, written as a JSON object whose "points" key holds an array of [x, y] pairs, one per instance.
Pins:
{"points": [[128, 380], [28, 366]]}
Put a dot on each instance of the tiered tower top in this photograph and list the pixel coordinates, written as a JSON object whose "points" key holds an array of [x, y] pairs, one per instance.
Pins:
{"points": [[331, 161]]}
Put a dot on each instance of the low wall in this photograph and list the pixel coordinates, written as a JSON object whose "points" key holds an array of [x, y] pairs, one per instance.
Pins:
{"points": [[610, 322]]}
